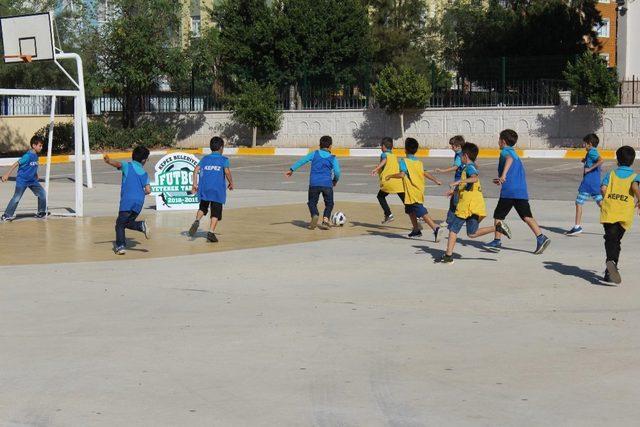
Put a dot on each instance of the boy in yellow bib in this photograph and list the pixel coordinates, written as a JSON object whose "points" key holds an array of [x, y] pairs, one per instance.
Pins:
{"points": [[470, 209], [413, 174], [388, 166], [620, 191]]}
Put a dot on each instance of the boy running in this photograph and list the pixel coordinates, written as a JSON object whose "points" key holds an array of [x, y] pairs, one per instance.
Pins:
{"points": [[456, 144], [413, 174], [621, 196], [513, 193], [590, 185], [470, 209], [27, 177], [325, 174], [210, 186], [388, 165], [135, 186]]}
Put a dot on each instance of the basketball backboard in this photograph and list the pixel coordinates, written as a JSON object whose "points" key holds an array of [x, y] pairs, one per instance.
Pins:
{"points": [[27, 36]]}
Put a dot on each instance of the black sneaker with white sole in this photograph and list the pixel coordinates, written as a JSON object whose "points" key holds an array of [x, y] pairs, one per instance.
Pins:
{"points": [[503, 228], [447, 259], [194, 228], [6, 218], [415, 233], [388, 219], [211, 237]]}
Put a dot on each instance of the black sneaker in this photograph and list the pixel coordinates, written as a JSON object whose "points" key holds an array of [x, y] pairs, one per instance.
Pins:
{"points": [[6, 218], [503, 228], [415, 233], [388, 219], [447, 259], [194, 228], [211, 237], [435, 234], [606, 278], [614, 273], [41, 215]]}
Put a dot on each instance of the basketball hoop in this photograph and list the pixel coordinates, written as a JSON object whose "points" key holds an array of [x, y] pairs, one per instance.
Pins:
{"points": [[24, 58]]}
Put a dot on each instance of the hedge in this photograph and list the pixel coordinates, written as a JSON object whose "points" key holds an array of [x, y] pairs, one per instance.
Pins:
{"points": [[105, 137]]}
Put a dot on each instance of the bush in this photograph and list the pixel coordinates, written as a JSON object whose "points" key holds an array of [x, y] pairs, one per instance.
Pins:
{"points": [[255, 107], [590, 79], [105, 137]]}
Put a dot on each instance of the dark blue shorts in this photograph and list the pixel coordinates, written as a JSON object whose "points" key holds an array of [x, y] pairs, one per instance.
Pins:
{"points": [[417, 209], [472, 222]]}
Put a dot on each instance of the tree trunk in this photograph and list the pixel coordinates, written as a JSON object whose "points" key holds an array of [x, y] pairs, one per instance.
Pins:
{"points": [[255, 137], [402, 126]]}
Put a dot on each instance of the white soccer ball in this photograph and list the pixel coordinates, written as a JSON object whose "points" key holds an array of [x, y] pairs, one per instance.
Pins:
{"points": [[339, 219]]}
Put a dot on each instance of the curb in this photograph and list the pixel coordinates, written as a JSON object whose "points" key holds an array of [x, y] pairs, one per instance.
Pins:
{"points": [[485, 153]]}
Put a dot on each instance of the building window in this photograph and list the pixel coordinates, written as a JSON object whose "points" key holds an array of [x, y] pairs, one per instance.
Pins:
{"points": [[195, 26], [604, 1], [606, 57], [603, 29]]}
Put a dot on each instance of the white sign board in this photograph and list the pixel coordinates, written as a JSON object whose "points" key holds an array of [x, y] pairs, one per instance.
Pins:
{"points": [[173, 182], [30, 35]]}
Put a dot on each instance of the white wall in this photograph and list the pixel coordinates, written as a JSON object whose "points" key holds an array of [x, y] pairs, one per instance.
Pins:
{"points": [[629, 41], [539, 127]]}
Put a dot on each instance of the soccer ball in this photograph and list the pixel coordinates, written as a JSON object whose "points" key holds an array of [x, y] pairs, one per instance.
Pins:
{"points": [[339, 219]]}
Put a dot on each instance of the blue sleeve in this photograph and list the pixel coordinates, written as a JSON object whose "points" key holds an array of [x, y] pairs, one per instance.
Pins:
{"points": [[24, 160], [457, 161], [145, 179], [605, 180], [471, 170], [227, 164], [303, 161], [403, 166], [637, 179], [336, 169], [125, 168], [383, 155]]}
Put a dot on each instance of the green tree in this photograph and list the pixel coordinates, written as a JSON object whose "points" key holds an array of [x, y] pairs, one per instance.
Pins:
{"points": [[590, 79], [401, 88], [139, 48], [255, 107]]}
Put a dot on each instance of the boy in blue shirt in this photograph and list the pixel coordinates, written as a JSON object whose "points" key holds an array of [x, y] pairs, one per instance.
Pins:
{"points": [[325, 174], [513, 193], [135, 186], [456, 144], [27, 177], [590, 185], [209, 183]]}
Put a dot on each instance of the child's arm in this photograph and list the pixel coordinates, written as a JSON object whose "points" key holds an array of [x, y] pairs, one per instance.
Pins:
{"points": [[227, 173], [147, 189], [636, 190], [116, 164], [431, 178], [297, 165], [336, 171], [194, 178], [596, 165], [380, 166], [507, 165], [13, 167], [603, 190], [470, 180], [398, 175], [446, 170]]}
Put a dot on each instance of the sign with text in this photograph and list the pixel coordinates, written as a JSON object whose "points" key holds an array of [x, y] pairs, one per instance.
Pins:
{"points": [[173, 182]]}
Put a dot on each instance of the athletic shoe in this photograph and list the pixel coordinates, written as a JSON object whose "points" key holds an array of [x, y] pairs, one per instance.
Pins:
{"points": [[447, 259], [606, 278], [388, 219], [7, 218], [435, 234], [325, 225], [494, 246], [415, 233], [211, 237], [146, 230], [41, 215], [120, 250], [614, 273], [542, 242], [504, 229], [194, 228], [314, 222], [574, 231]]}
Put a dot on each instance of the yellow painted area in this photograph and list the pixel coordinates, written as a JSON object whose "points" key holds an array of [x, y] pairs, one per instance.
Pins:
{"points": [[54, 159], [341, 152], [494, 153], [119, 155], [580, 153], [422, 152], [91, 239], [257, 151]]}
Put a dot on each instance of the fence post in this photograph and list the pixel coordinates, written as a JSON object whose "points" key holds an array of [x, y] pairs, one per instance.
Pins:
{"points": [[633, 89], [503, 73]]}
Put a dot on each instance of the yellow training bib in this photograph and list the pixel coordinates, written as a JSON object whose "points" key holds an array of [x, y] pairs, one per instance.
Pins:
{"points": [[470, 199], [619, 201], [392, 167], [413, 182]]}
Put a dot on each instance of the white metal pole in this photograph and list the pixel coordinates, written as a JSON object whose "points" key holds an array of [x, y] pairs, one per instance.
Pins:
{"points": [[77, 136], [83, 110], [49, 150]]}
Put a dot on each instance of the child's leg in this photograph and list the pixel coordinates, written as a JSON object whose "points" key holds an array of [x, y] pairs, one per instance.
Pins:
{"points": [[327, 196], [524, 210], [533, 225], [414, 221], [39, 192], [578, 214], [474, 231], [216, 215], [121, 224], [502, 210], [314, 196], [427, 220], [382, 199], [13, 203], [214, 223], [613, 234], [451, 243]]}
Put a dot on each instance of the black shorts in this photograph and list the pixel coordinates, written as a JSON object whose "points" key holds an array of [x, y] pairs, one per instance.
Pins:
{"points": [[216, 208], [505, 205]]}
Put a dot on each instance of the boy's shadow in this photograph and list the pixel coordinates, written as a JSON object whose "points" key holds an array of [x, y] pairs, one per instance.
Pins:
{"points": [[376, 226], [437, 254], [201, 234], [574, 271], [129, 246], [388, 235], [295, 222], [561, 231]]}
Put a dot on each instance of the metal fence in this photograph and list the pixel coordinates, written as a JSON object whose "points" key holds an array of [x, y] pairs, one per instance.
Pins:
{"points": [[33, 105], [630, 92]]}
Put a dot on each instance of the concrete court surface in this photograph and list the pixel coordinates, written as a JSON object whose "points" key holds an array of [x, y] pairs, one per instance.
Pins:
{"points": [[361, 330]]}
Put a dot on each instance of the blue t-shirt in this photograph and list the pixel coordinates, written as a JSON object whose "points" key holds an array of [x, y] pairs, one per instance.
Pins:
{"points": [[325, 168], [212, 186], [457, 162], [134, 180], [591, 158], [591, 180], [621, 172], [403, 165], [27, 169], [515, 186]]}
